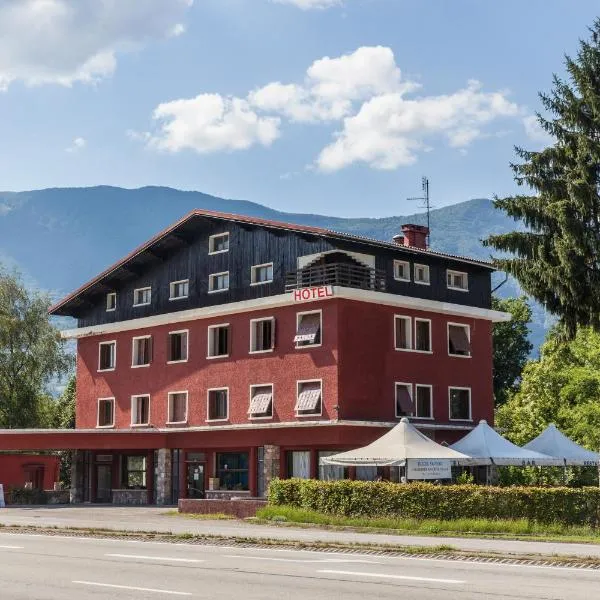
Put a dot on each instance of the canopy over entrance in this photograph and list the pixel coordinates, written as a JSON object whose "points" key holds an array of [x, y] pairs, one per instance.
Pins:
{"points": [[555, 443], [487, 446], [393, 449]]}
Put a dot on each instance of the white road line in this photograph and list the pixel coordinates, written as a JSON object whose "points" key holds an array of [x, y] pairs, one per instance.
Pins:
{"points": [[301, 560], [11, 547], [129, 587], [165, 558], [385, 576]]}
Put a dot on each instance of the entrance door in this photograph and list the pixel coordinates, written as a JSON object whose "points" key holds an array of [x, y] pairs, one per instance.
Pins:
{"points": [[195, 480], [103, 483]]}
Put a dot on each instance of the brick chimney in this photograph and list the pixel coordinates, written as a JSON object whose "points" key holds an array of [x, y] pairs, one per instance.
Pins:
{"points": [[415, 236]]}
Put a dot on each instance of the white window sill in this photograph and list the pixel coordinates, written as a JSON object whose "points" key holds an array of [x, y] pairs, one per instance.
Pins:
{"points": [[140, 424], [218, 291], [261, 351], [217, 356], [218, 252], [261, 282], [308, 346], [414, 351], [178, 298], [422, 282], [251, 418], [105, 426], [402, 280], [424, 418], [140, 366], [457, 289], [144, 304], [176, 362], [217, 420], [106, 370], [462, 420], [304, 416], [111, 309], [176, 422], [460, 355]]}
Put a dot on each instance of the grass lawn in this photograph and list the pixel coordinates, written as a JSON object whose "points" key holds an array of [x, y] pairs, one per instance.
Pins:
{"points": [[522, 529]]}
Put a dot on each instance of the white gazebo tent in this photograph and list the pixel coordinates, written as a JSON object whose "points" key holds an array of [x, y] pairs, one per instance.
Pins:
{"points": [[484, 444], [555, 443], [398, 448]]}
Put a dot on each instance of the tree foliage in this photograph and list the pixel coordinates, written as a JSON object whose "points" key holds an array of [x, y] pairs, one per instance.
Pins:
{"points": [[32, 356], [556, 259]]}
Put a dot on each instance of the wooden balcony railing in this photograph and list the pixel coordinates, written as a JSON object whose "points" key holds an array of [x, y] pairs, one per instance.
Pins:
{"points": [[341, 274]]}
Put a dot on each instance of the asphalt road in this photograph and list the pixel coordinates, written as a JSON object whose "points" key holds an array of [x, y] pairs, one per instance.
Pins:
{"points": [[38, 567]]}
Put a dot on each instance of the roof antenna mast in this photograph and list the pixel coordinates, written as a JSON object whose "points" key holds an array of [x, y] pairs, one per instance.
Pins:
{"points": [[426, 204]]}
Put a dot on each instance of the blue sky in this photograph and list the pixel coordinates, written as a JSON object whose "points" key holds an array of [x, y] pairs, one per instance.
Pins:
{"points": [[337, 107]]}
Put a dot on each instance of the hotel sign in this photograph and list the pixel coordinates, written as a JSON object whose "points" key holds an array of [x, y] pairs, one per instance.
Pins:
{"points": [[428, 469], [312, 293]]}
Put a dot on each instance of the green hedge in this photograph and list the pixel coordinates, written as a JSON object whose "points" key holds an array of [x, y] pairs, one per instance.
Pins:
{"points": [[573, 506]]}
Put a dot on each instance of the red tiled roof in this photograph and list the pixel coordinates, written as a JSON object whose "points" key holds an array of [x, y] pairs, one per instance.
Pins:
{"points": [[320, 231]]}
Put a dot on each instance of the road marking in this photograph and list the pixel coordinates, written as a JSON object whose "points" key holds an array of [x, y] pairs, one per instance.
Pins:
{"points": [[385, 576], [11, 547], [129, 587], [300, 560], [166, 558]]}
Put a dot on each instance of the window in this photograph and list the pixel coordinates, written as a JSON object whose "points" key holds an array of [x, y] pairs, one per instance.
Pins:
{"points": [[261, 401], [142, 296], [178, 346], [262, 335], [261, 274], [331, 472], [218, 243], [179, 289], [423, 402], [218, 341], [402, 333], [134, 472], [107, 358], [232, 470], [218, 405], [404, 400], [140, 410], [142, 351], [178, 403], [459, 339], [111, 301], [218, 282], [456, 280], [309, 400], [460, 404], [401, 270], [422, 274], [298, 464], [308, 329], [106, 412], [423, 335]]}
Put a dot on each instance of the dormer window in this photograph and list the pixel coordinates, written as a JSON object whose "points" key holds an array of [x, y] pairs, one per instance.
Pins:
{"points": [[422, 274], [401, 270], [111, 301], [142, 296], [457, 280], [218, 243]]}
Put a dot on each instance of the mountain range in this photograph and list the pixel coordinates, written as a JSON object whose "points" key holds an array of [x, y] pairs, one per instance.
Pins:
{"points": [[58, 238]]}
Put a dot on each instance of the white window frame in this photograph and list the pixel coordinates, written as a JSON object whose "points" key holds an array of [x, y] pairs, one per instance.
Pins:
{"points": [[424, 385], [452, 287], [111, 295], [216, 389], [458, 387], [133, 365], [142, 289], [407, 265], [421, 319], [133, 397], [410, 386], [187, 346], [110, 399], [172, 285], [427, 270], [258, 385], [107, 343], [211, 240], [298, 317], [410, 333], [253, 335], [187, 405], [212, 277], [464, 326], [253, 270], [298, 383], [208, 340]]}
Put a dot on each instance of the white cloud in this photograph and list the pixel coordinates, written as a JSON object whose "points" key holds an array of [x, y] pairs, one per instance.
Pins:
{"points": [[535, 132], [66, 41], [310, 4], [77, 144], [211, 123]]}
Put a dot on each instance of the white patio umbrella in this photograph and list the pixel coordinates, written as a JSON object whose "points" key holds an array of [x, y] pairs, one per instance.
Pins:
{"points": [[555, 443], [484, 443]]}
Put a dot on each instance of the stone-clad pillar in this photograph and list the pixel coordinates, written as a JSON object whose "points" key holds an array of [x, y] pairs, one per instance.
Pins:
{"points": [[77, 477], [163, 477], [271, 465]]}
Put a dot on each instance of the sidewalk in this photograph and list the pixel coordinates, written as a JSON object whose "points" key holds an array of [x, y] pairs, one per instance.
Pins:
{"points": [[154, 519]]}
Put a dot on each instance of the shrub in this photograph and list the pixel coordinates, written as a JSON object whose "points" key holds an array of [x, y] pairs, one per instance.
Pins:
{"points": [[571, 506], [16, 495]]}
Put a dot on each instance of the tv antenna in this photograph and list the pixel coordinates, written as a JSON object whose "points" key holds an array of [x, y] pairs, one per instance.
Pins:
{"points": [[426, 204]]}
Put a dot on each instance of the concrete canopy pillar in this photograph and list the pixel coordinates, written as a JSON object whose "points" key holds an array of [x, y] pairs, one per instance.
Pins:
{"points": [[271, 466], [163, 477], [77, 477]]}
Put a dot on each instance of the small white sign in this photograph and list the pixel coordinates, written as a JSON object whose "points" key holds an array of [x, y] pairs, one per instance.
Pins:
{"points": [[428, 469], [2, 504]]}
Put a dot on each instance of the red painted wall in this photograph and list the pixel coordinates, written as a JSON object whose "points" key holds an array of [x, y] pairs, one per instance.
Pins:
{"points": [[12, 472]]}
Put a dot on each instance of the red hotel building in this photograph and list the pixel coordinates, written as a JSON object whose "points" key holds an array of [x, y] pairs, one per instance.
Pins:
{"points": [[228, 350]]}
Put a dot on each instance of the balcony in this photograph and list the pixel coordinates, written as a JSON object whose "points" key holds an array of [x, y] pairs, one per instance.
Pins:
{"points": [[340, 274]]}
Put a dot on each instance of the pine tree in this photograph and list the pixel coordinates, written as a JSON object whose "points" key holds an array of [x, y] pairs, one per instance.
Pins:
{"points": [[556, 256]]}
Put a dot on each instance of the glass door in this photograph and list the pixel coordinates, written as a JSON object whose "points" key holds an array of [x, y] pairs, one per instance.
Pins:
{"points": [[103, 483], [195, 480]]}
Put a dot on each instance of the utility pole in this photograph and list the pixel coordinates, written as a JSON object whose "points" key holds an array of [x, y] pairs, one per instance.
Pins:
{"points": [[426, 204]]}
